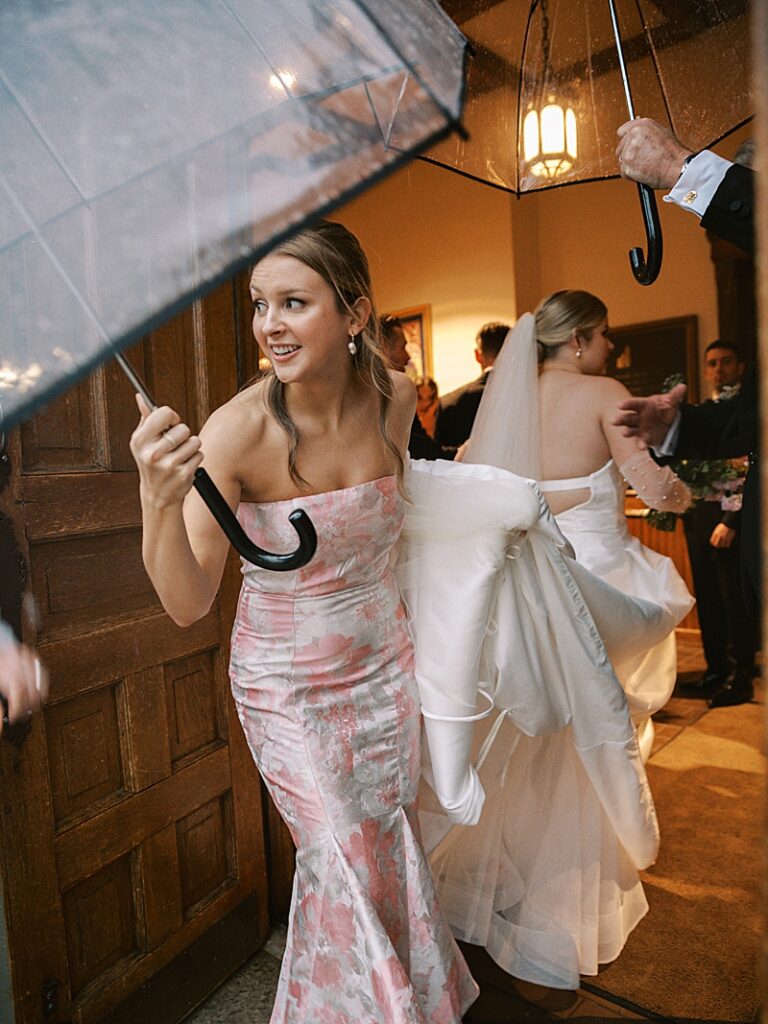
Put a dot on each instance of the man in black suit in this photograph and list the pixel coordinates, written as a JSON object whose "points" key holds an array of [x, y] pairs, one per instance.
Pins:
{"points": [[458, 408], [720, 194], [712, 535]]}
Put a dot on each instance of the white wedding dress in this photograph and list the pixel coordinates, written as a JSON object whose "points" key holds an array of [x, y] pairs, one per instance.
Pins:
{"points": [[547, 880], [553, 817], [597, 531]]}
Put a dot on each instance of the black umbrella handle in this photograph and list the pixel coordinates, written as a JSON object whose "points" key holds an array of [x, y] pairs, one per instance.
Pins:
{"points": [[240, 540], [646, 270], [226, 518]]}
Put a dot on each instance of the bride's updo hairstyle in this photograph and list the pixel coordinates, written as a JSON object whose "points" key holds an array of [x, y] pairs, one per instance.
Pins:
{"points": [[335, 254], [562, 313]]}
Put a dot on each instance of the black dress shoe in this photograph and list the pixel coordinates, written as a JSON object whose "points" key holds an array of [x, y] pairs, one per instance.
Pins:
{"points": [[709, 684], [738, 690]]}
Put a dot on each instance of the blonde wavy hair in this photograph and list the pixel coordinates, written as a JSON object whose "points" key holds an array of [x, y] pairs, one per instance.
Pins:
{"points": [[333, 252]]}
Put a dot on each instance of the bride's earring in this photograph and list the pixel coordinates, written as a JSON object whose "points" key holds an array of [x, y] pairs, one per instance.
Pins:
{"points": [[352, 346], [578, 353]]}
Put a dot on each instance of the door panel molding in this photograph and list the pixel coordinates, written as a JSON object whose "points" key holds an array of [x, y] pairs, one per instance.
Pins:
{"points": [[132, 816]]}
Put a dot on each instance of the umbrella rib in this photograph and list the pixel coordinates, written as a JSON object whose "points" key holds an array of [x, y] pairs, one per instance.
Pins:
{"points": [[386, 136], [272, 114], [657, 69], [520, 82], [259, 47], [602, 61], [302, 99], [33, 123], [450, 118], [375, 113], [365, 78], [40, 238], [135, 333]]}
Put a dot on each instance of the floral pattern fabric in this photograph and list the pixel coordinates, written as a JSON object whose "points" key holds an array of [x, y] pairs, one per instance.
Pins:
{"points": [[322, 675]]}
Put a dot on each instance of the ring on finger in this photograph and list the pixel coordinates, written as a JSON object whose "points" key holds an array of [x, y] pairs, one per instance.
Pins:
{"points": [[167, 437]]}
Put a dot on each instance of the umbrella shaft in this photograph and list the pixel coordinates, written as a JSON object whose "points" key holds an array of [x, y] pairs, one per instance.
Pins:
{"points": [[136, 381], [622, 65]]}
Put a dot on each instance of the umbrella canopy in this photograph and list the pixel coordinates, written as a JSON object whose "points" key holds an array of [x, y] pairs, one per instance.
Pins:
{"points": [[688, 63], [151, 149]]}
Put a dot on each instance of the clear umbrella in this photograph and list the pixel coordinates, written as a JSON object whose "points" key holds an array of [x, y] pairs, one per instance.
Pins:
{"points": [[546, 87], [151, 149]]}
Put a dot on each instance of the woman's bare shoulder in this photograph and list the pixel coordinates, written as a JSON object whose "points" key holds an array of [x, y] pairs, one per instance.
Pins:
{"points": [[403, 391], [608, 389], [240, 440], [239, 423], [612, 386]]}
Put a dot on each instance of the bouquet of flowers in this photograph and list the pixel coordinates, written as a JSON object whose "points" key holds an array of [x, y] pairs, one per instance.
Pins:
{"points": [[720, 480]]}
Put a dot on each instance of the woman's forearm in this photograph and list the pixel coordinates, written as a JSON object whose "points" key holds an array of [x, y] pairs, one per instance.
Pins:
{"points": [[185, 589]]}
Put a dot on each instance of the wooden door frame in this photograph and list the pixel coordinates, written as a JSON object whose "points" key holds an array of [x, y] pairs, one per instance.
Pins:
{"points": [[38, 950]]}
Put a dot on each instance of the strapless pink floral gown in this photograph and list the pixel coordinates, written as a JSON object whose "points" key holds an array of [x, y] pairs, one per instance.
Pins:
{"points": [[322, 674]]}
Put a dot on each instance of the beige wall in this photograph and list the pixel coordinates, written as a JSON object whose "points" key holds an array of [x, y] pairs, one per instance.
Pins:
{"points": [[434, 237], [477, 254], [582, 237]]}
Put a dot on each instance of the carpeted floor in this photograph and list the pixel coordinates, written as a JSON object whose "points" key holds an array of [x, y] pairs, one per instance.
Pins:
{"points": [[692, 960], [695, 954]]}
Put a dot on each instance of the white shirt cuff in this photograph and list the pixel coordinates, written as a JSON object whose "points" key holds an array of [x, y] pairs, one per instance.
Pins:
{"points": [[668, 445], [698, 183]]}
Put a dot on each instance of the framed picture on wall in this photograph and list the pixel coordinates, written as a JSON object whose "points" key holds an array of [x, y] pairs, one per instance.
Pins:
{"points": [[644, 355], [417, 325]]}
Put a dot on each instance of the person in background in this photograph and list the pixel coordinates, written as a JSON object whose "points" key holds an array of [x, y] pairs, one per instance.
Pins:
{"points": [[714, 549], [427, 404], [23, 680], [393, 344], [458, 409]]}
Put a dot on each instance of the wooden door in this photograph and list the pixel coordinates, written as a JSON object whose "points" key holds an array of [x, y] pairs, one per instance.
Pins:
{"points": [[132, 816]]}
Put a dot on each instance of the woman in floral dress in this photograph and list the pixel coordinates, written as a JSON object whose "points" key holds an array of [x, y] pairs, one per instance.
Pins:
{"points": [[322, 660]]}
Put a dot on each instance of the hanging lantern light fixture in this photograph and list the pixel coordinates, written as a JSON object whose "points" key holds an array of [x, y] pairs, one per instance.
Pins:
{"points": [[549, 133], [549, 139]]}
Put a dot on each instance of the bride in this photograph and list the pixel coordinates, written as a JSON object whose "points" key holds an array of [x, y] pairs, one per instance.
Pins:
{"points": [[583, 483], [544, 882]]}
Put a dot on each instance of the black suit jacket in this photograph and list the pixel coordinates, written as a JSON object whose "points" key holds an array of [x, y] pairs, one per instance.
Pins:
{"points": [[730, 215], [421, 445], [457, 414], [725, 430]]}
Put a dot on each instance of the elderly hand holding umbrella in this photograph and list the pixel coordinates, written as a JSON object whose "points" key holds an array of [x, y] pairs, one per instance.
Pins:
{"points": [[650, 153]]}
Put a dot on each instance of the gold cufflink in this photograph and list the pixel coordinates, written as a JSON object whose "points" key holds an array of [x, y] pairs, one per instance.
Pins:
{"points": [[689, 198]]}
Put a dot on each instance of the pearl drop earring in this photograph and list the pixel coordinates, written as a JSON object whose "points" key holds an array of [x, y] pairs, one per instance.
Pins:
{"points": [[578, 353], [352, 346]]}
